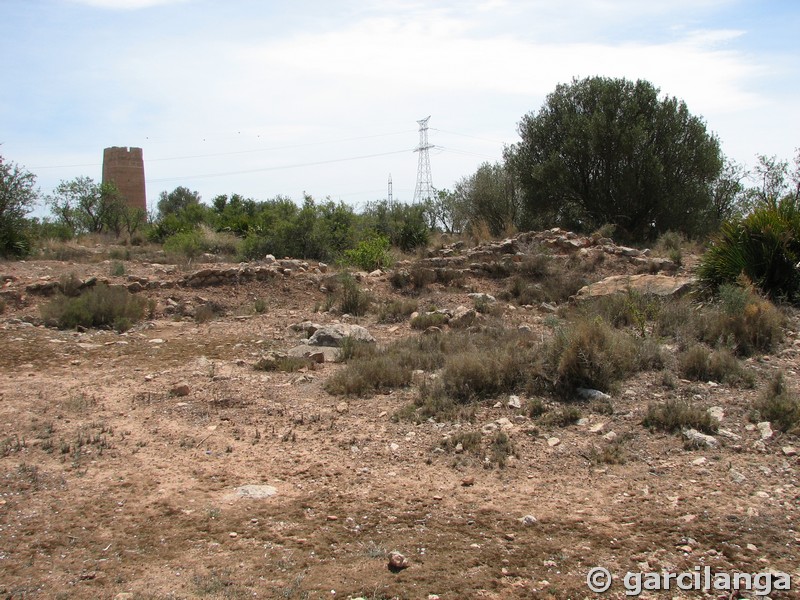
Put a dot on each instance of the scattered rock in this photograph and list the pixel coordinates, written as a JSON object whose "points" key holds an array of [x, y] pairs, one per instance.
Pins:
{"points": [[481, 297], [588, 394], [765, 430], [610, 436], [397, 562], [505, 424], [180, 389], [736, 477], [528, 520], [462, 317], [333, 335], [717, 412], [468, 481], [789, 451], [597, 428], [255, 492], [700, 440], [553, 442], [342, 407], [514, 402]]}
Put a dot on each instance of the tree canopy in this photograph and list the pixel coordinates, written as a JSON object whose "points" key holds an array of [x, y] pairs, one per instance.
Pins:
{"points": [[604, 150], [17, 196]]}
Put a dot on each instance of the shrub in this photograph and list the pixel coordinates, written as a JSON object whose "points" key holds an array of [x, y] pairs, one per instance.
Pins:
{"points": [[185, 243], [101, 306], [592, 354], [351, 348], [743, 321], [779, 406], [764, 246], [568, 415], [487, 369], [283, 363], [700, 364], [431, 319], [612, 453], [536, 408], [470, 441], [396, 311], [500, 448], [352, 299], [673, 416], [117, 269], [260, 306], [380, 372], [370, 254]]}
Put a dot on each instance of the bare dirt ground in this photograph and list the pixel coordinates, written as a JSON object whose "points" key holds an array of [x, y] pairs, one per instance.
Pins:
{"points": [[111, 486]]}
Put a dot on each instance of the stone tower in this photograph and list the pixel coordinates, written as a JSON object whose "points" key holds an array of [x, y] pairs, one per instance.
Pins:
{"points": [[125, 168]]}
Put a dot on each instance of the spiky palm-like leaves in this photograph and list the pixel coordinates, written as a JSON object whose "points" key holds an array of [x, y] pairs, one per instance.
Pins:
{"points": [[764, 246]]}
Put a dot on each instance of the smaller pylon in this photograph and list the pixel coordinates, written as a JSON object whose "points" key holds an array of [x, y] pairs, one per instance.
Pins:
{"points": [[390, 190]]}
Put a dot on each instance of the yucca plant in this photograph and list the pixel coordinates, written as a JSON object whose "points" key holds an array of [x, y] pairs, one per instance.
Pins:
{"points": [[764, 247]]}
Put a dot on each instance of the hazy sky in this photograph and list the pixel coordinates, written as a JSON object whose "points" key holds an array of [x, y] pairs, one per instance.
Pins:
{"points": [[263, 98]]}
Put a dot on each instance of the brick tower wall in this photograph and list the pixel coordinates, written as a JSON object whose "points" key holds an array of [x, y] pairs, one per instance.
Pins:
{"points": [[125, 168]]}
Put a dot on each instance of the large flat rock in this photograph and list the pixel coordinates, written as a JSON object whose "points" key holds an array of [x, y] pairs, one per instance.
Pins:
{"points": [[653, 285]]}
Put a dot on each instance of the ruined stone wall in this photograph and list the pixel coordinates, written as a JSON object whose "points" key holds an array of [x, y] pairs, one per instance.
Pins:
{"points": [[125, 167]]}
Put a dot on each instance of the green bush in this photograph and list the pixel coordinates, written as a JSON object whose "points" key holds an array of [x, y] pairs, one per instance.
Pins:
{"points": [[185, 243], [101, 306], [370, 254], [764, 247]]}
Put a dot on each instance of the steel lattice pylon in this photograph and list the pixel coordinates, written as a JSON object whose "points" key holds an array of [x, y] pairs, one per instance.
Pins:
{"points": [[424, 188]]}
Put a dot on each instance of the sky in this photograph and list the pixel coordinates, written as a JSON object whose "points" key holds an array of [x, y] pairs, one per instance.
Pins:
{"points": [[322, 97]]}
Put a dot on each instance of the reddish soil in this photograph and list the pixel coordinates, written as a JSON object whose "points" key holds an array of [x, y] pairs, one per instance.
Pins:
{"points": [[112, 487]]}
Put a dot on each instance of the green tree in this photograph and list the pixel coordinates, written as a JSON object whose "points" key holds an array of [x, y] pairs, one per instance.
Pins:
{"points": [[447, 212], [85, 206], [604, 150], [17, 196], [489, 196], [170, 203]]}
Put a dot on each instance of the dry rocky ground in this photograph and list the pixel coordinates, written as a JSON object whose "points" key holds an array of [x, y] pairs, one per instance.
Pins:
{"points": [[159, 463]]}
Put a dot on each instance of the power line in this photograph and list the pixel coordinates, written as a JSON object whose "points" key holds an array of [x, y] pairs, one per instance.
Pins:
{"points": [[237, 152], [278, 168]]}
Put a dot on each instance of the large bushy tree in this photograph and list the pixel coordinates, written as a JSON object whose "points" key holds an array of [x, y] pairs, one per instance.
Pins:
{"points": [[604, 150], [17, 196], [84, 206], [170, 203]]}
